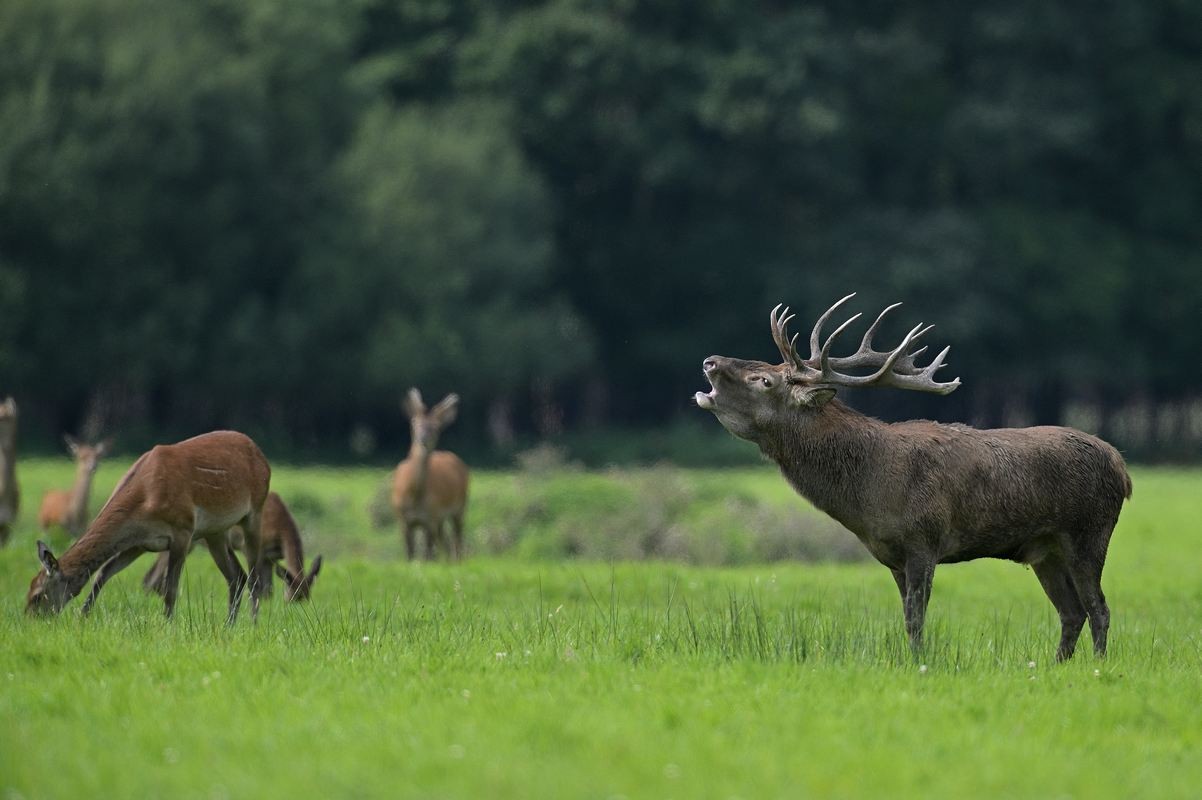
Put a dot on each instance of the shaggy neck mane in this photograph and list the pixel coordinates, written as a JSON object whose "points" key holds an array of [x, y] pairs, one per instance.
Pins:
{"points": [[824, 455]]}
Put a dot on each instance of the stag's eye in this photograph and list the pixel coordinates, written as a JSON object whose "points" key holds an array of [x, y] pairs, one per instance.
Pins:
{"points": [[767, 382]]}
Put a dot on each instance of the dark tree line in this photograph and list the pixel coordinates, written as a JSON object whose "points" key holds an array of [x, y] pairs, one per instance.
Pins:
{"points": [[278, 215]]}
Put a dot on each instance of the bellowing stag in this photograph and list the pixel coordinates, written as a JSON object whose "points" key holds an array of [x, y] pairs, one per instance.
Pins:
{"points": [[921, 493]]}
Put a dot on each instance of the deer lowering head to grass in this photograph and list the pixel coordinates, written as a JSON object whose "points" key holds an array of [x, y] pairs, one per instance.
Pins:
{"points": [[10, 496], [429, 489], [197, 488], [279, 540], [921, 493], [68, 508]]}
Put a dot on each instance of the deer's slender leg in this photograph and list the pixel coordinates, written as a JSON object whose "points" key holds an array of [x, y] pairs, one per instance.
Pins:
{"points": [[255, 563], [153, 580], [1058, 586], [110, 568], [457, 537], [432, 530], [919, 573], [176, 553], [410, 539], [1087, 579], [235, 576]]}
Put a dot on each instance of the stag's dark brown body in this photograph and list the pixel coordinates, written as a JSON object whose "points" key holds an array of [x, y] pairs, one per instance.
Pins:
{"points": [[922, 493]]}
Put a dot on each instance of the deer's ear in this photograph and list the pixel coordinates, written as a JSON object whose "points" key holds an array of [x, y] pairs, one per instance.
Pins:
{"points": [[446, 410], [104, 447], [283, 572], [811, 396], [413, 404], [72, 445], [314, 568], [47, 558]]}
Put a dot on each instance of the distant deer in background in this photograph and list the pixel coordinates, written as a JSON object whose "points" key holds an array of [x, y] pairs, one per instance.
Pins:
{"points": [[279, 539], [920, 493], [198, 488], [430, 486], [10, 495], [68, 508]]}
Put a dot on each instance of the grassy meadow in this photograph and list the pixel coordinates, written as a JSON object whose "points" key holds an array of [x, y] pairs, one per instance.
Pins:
{"points": [[638, 633]]}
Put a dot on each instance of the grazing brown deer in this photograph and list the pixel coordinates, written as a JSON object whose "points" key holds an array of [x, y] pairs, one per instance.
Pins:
{"points": [[68, 508], [279, 539], [10, 495], [196, 488], [429, 489], [920, 493]]}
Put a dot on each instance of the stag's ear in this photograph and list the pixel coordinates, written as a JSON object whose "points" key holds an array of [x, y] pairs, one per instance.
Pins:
{"points": [[446, 410], [104, 447], [811, 396], [413, 404], [72, 445], [283, 572], [47, 558], [314, 568]]}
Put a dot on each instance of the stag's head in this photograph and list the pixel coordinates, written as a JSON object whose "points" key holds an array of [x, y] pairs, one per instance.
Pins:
{"points": [[749, 397], [87, 456], [48, 591], [426, 425], [297, 587]]}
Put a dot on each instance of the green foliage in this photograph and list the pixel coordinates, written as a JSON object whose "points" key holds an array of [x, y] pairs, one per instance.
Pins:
{"points": [[278, 215]]}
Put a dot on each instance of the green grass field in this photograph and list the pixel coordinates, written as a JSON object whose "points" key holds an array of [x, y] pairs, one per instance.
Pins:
{"points": [[524, 674]]}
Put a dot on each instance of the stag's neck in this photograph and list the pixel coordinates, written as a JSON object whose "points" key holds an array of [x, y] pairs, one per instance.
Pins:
{"points": [[77, 505], [105, 538], [827, 458], [420, 456]]}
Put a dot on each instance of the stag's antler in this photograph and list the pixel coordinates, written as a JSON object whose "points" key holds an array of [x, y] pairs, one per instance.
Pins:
{"points": [[896, 368]]}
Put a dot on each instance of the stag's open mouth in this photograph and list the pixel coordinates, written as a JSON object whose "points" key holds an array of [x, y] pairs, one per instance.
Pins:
{"points": [[706, 400]]}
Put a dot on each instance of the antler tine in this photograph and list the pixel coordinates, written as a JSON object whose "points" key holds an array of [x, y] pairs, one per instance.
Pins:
{"points": [[866, 342], [824, 354], [816, 334], [780, 320]]}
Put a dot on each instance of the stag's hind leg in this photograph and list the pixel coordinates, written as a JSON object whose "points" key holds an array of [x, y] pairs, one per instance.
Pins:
{"points": [[457, 537], [1085, 559], [1058, 585]]}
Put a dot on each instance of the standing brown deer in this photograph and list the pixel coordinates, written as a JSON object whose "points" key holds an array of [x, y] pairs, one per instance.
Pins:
{"points": [[920, 493], [10, 495], [68, 508], [197, 488], [279, 539], [430, 486]]}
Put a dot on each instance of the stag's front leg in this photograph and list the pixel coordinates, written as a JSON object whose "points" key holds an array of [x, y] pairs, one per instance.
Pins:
{"points": [[255, 563], [919, 573]]}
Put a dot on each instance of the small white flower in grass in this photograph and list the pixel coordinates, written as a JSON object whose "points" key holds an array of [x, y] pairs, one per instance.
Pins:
{"points": [[1030, 665], [457, 751], [467, 694], [501, 656], [1097, 673], [366, 639], [922, 670]]}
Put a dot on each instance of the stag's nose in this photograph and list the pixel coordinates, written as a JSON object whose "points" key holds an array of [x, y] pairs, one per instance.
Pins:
{"points": [[711, 364]]}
